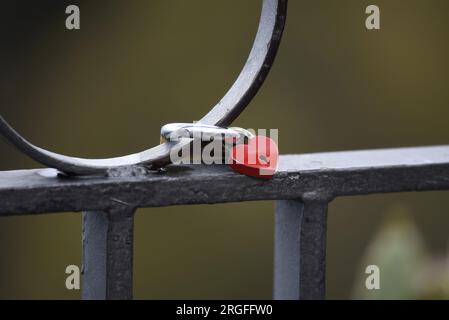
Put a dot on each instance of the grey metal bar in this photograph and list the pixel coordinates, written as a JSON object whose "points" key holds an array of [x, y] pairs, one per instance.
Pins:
{"points": [[300, 249], [336, 174], [108, 254]]}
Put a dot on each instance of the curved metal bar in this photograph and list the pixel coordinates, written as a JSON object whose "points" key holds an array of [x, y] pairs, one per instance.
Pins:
{"points": [[158, 155], [257, 67], [246, 86]]}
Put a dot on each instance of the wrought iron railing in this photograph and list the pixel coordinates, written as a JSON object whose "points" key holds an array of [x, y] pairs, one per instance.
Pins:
{"points": [[108, 192], [303, 187]]}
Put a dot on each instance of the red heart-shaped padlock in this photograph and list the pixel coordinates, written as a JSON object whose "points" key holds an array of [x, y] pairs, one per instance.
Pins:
{"points": [[259, 158]]}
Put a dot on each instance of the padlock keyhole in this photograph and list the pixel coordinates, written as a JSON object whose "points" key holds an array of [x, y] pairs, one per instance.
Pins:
{"points": [[263, 159]]}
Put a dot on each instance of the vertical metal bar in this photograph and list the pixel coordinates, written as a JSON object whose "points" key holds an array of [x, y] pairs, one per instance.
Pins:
{"points": [[108, 254], [300, 249]]}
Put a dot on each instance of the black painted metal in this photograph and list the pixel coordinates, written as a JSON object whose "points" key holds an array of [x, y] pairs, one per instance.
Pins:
{"points": [[230, 106], [108, 222], [330, 174], [108, 253], [300, 249], [257, 67], [303, 183]]}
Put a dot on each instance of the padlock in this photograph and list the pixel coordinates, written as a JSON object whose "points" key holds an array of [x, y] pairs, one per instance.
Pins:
{"points": [[257, 158]]}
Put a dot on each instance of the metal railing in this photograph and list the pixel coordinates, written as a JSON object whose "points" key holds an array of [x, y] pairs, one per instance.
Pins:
{"points": [[302, 187], [115, 187], [109, 191]]}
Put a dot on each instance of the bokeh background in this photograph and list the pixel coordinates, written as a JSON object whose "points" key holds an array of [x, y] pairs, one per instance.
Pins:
{"points": [[135, 65]]}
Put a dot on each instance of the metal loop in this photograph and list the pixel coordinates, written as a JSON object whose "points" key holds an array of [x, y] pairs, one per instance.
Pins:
{"points": [[246, 86]]}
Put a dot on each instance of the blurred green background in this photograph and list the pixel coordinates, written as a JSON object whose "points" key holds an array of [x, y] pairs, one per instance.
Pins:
{"points": [[135, 65]]}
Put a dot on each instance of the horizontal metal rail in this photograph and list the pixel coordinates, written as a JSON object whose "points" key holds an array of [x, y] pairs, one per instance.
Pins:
{"points": [[323, 175], [303, 186]]}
